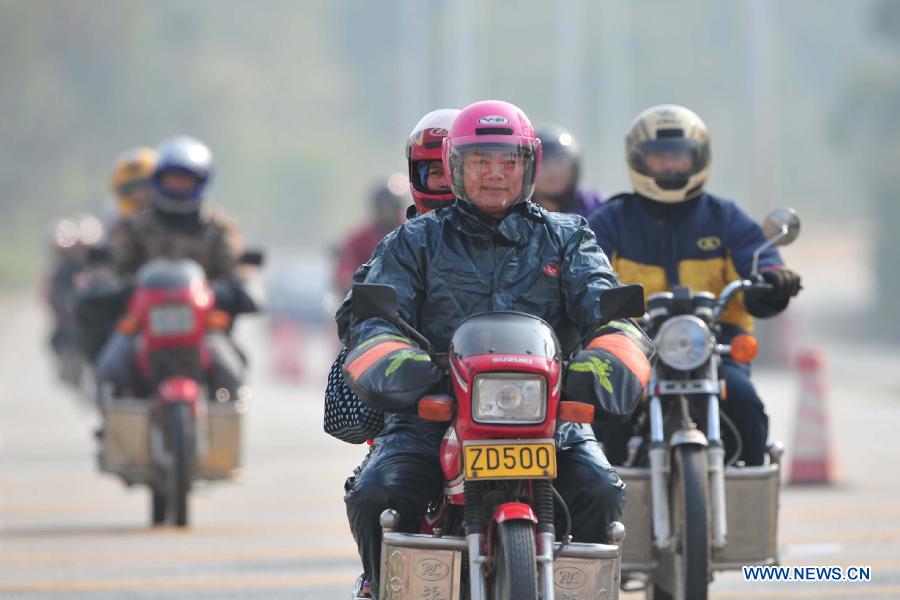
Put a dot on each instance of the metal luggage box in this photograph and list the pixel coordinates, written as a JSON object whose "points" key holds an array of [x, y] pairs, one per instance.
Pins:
{"points": [[418, 566], [221, 455], [751, 500], [751, 504], [126, 437], [637, 548]]}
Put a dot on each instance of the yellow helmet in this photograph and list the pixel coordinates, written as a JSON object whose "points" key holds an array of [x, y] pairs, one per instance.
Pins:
{"points": [[667, 148], [132, 178]]}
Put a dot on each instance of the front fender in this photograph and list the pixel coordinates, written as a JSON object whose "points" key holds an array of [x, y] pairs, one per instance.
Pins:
{"points": [[512, 511], [693, 437]]}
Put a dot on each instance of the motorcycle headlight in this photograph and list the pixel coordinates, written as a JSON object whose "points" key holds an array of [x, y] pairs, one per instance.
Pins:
{"points": [[684, 342], [171, 319], [509, 398]]}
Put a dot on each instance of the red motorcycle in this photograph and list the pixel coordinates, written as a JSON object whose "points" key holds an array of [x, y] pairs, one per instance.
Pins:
{"points": [[499, 459], [171, 435]]}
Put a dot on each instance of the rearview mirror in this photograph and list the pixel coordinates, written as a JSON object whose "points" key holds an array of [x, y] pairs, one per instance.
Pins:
{"points": [[782, 226], [374, 300], [253, 257], [622, 302]]}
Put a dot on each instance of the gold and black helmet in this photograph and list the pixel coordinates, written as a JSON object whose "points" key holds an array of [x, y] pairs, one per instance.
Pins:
{"points": [[667, 149]]}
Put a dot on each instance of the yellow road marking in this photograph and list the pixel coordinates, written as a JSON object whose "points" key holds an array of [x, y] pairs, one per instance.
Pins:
{"points": [[876, 535], [194, 555], [168, 583], [854, 590], [794, 514], [251, 529], [126, 504]]}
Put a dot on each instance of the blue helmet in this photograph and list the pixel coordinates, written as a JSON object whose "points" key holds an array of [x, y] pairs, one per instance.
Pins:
{"points": [[187, 156]]}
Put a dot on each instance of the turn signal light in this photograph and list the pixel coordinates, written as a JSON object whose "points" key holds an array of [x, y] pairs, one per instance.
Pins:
{"points": [[436, 408], [744, 348], [127, 325], [217, 320], [575, 412]]}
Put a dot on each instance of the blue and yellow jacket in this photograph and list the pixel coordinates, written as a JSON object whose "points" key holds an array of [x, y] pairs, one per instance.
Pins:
{"points": [[704, 243]]}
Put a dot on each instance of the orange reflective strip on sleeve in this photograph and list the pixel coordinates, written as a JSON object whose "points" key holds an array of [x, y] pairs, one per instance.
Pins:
{"points": [[372, 356], [626, 351]]}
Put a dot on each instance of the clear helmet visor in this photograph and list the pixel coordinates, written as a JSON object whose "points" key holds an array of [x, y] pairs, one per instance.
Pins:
{"points": [[492, 173]]}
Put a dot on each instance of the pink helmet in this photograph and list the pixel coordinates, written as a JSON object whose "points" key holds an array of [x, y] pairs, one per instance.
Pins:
{"points": [[491, 124], [422, 148]]}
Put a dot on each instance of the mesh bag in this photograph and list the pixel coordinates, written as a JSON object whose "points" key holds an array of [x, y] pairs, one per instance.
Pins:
{"points": [[346, 416]]}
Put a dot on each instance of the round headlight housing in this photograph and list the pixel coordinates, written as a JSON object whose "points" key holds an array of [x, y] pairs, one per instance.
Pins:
{"points": [[684, 342]]}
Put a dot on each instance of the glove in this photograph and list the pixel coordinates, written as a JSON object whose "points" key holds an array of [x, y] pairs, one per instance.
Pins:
{"points": [[232, 297], [612, 371], [785, 283], [390, 374], [768, 303]]}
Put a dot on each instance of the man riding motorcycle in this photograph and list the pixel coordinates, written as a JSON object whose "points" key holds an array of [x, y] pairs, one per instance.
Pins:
{"points": [[556, 187], [492, 250], [670, 232], [177, 225]]}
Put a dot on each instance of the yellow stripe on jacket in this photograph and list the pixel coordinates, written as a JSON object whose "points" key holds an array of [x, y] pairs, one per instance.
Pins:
{"points": [[701, 275]]}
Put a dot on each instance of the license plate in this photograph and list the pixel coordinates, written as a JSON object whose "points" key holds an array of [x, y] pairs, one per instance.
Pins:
{"points": [[510, 460], [171, 319]]}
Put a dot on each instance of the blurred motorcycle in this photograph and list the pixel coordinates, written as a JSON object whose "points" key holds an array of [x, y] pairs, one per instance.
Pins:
{"points": [[173, 435], [690, 512]]}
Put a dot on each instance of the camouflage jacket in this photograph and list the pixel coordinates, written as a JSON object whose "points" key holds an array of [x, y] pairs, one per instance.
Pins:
{"points": [[214, 241]]}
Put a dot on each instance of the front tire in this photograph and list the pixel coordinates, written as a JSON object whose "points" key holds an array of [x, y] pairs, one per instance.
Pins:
{"points": [[181, 445], [157, 507], [515, 567], [690, 514]]}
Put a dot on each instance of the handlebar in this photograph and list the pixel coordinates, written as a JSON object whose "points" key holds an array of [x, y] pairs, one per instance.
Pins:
{"points": [[733, 288]]}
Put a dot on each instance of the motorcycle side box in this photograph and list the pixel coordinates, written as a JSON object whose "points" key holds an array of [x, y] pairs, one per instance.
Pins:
{"points": [[126, 438], [417, 566], [751, 504], [637, 547], [420, 566], [587, 571], [221, 455], [751, 500]]}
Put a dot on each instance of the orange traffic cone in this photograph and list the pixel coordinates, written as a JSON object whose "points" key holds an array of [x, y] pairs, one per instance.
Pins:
{"points": [[812, 454]]}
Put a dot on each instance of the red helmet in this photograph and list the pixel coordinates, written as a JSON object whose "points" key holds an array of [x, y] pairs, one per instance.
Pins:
{"points": [[423, 148], [492, 126]]}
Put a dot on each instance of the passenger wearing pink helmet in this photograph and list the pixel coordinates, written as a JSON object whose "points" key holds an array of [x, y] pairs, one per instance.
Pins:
{"points": [[493, 250]]}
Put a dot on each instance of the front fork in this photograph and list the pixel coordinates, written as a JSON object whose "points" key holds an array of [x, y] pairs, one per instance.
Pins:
{"points": [[659, 468], [716, 461]]}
